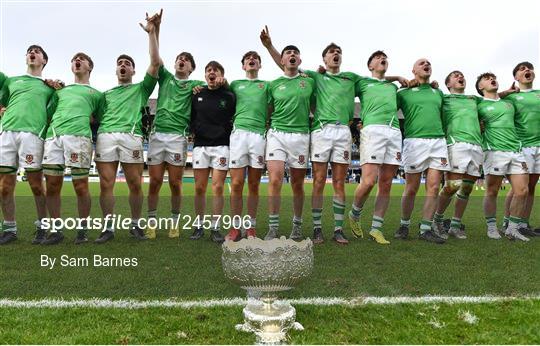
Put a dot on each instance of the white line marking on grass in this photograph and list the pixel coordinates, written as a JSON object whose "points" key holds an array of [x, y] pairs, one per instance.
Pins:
{"points": [[317, 301]]}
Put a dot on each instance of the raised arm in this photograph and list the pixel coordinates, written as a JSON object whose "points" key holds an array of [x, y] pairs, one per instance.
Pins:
{"points": [[150, 28], [267, 43], [513, 89]]}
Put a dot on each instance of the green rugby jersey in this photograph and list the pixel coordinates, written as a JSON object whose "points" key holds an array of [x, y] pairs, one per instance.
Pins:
{"points": [[173, 113], [121, 110], [3, 78], [252, 100], [460, 119], [421, 108], [379, 102], [71, 108], [26, 98], [527, 117], [334, 97], [291, 98], [500, 131]]}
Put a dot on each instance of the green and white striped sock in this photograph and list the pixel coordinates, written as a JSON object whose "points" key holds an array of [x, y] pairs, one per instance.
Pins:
{"points": [[316, 213], [339, 213], [377, 223]]}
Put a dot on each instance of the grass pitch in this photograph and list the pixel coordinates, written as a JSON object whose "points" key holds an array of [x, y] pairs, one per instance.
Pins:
{"points": [[185, 270]]}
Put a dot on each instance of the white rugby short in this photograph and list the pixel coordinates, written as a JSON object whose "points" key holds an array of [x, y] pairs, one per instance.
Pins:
{"points": [[465, 158], [167, 147], [504, 162], [380, 144], [247, 149], [331, 143], [123, 147], [292, 148], [20, 149], [68, 150], [420, 154], [211, 157], [532, 157]]}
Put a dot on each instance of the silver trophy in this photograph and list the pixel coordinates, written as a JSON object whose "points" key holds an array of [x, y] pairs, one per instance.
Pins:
{"points": [[264, 268]]}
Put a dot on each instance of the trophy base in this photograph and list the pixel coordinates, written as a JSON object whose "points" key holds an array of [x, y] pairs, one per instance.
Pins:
{"points": [[270, 320]]}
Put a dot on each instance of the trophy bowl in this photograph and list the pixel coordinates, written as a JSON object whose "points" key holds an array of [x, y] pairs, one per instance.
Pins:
{"points": [[263, 268]]}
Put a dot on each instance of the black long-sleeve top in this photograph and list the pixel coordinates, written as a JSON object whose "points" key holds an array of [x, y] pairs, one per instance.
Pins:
{"points": [[212, 114]]}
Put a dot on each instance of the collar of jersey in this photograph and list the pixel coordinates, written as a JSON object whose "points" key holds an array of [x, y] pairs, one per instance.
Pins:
{"points": [[526, 90], [293, 77], [29, 75], [485, 98], [377, 79]]}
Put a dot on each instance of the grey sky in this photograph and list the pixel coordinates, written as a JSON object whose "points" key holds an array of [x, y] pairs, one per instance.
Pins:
{"points": [[472, 36]]}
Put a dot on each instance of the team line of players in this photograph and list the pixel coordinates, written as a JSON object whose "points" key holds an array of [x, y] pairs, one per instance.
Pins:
{"points": [[242, 127]]}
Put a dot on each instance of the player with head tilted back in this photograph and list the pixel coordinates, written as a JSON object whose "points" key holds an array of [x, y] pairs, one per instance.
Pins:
{"points": [[248, 142], [424, 149], [503, 157], [22, 129], [120, 133], [69, 144], [527, 120], [167, 145]]}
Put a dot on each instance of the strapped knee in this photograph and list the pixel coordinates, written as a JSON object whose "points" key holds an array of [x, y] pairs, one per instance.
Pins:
{"points": [[451, 187], [465, 189], [79, 173], [8, 170], [54, 170]]}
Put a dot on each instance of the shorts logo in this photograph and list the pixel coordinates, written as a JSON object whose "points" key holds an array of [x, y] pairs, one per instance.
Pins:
{"points": [[98, 155], [374, 157], [260, 160], [496, 169], [222, 161], [317, 155], [398, 156], [29, 159], [271, 154], [301, 159], [412, 167], [524, 166], [196, 162], [346, 155], [74, 157], [149, 159], [136, 154], [444, 161], [177, 157], [456, 167]]}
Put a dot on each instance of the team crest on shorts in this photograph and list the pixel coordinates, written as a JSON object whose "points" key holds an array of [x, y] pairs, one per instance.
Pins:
{"points": [[260, 160], [29, 159], [301, 159], [222, 161], [136, 154], [177, 157], [524, 166], [74, 157], [444, 161], [346, 155], [398, 156]]}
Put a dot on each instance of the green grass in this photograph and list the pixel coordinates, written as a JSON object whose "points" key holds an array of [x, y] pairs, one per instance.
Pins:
{"points": [[500, 323], [188, 270]]}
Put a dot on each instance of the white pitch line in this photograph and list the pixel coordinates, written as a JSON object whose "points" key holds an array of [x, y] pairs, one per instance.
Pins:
{"points": [[316, 301]]}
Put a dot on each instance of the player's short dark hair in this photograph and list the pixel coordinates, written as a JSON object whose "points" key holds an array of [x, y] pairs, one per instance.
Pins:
{"points": [[251, 53], [127, 57], [35, 46], [332, 45], [375, 54], [85, 57], [523, 63], [189, 57], [479, 78], [447, 79], [215, 64], [290, 47]]}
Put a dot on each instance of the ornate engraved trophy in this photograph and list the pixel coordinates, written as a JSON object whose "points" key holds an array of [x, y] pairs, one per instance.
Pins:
{"points": [[264, 268]]}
